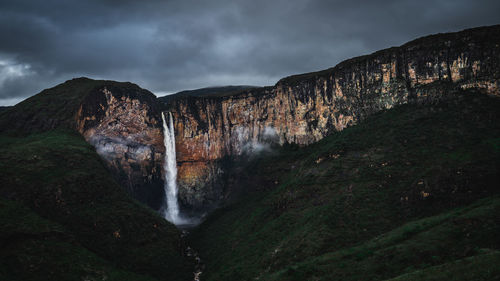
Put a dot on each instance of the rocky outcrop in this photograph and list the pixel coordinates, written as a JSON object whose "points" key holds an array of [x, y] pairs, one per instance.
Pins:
{"points": [[122, 122], [120, 119], [303, 109]]}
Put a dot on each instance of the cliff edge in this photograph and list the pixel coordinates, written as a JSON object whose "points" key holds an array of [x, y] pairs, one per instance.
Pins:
{"points": [[303, 109]]}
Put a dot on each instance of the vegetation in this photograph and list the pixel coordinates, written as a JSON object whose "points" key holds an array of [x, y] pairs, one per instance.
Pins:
{"points": [[411, 193], [34, 248], [222, 91], [63, 215], [57, 107], [430, 43]]}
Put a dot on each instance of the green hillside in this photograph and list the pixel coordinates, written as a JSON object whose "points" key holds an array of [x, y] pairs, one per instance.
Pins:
{"points": [[63, 215], [56, 107], [408, 194], [411, 193]]}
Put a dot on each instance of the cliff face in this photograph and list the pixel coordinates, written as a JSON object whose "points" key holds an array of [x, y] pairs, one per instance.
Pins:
{"points": [[121, 120], [123, 125], [59, 199], [303, 109]]}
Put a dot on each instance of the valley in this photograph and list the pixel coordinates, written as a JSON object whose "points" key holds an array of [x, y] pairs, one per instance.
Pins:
{"points": [[384, 167]]}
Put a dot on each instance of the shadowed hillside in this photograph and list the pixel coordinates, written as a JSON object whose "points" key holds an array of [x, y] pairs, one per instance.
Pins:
{"points": [[385, 167], [63, 215], [410, 191], [208, 92]]}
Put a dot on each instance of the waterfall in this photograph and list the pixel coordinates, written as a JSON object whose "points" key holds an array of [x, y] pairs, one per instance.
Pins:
{"points": [[171, 210]]}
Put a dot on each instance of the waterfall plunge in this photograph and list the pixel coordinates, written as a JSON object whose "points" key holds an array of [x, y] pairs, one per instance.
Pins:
{"points": [[171, 210]]}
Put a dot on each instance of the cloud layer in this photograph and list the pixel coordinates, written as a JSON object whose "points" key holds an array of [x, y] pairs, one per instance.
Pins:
{"points": [[167, 46]]}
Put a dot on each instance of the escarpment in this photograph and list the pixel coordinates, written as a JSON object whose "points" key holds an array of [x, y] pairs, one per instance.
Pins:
{"points": [[123, 124], [303, 109], [121, 120]]}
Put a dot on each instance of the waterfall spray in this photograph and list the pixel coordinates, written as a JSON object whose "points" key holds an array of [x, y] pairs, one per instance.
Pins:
{"points": [[171, 210]]}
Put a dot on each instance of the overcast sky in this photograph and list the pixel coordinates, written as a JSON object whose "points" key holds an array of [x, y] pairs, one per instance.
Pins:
{"points": [[167, 46]]}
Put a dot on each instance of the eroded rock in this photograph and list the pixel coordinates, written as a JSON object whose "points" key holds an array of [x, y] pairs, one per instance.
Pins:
{"points": [[305, 108], [123, 126]]}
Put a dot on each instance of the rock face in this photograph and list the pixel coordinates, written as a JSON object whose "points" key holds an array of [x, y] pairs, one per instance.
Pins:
{"points": [[123, 124], [303, 109], [121, 120]]}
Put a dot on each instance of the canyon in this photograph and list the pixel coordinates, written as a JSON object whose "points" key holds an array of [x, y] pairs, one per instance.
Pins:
{"points": [[382, 166], [213, 130]]}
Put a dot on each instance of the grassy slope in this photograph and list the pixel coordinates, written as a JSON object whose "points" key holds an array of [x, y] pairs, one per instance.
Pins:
{"points": [[412, 190], [61, 178], [55, 105], [63, 216], [34, 248]]}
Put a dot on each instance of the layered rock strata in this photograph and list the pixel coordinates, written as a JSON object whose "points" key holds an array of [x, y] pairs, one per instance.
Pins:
{"points": [[303, 109], [123, 124]]}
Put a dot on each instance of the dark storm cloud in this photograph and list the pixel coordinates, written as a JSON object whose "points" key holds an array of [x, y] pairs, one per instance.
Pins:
{"points": [[166, 46]]}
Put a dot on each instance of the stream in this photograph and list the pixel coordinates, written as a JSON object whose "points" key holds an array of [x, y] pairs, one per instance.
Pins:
{"points": [[190, 252]]}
